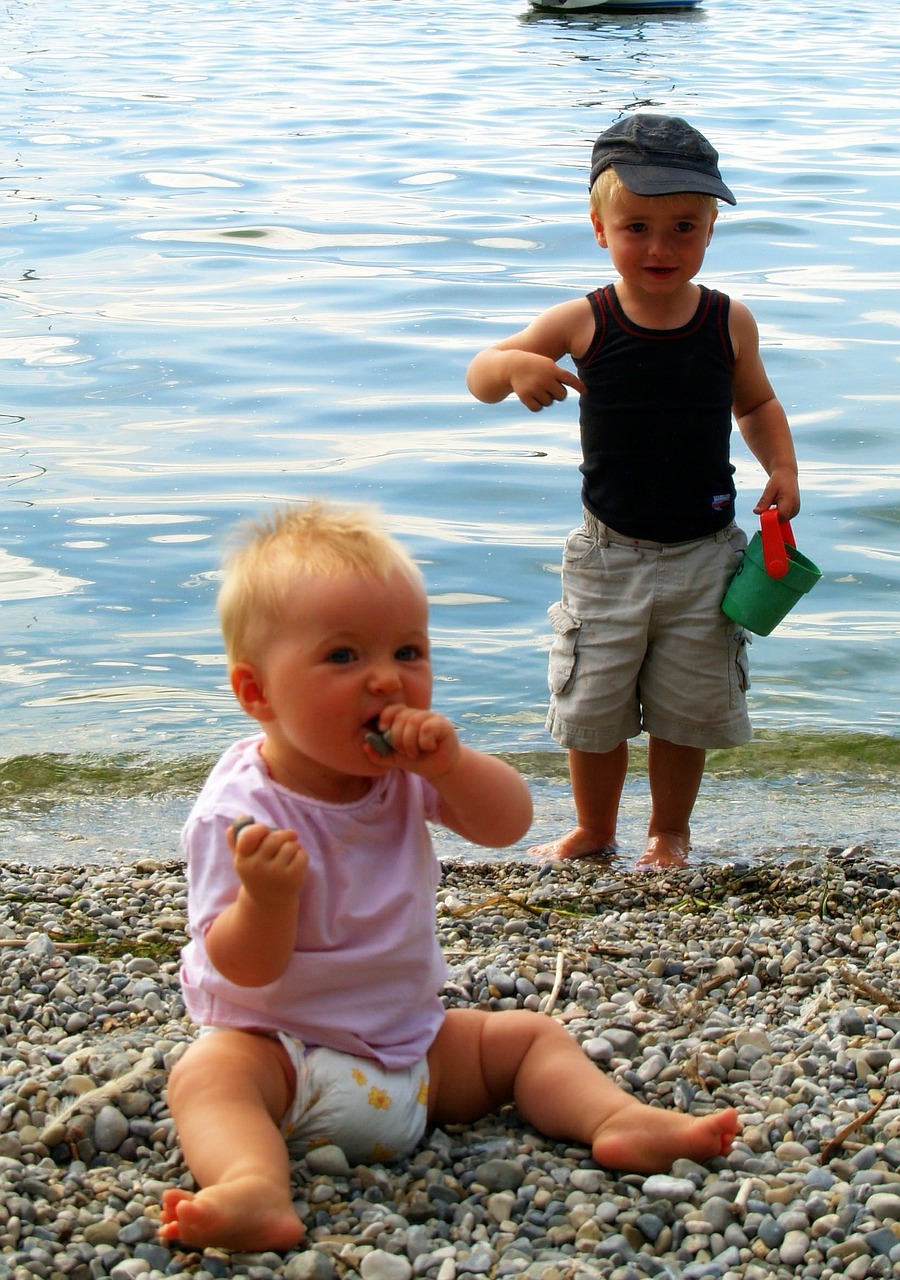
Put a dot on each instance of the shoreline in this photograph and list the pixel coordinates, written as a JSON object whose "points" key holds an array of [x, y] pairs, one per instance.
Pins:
{"points": [[781, 796], [772, 988]]}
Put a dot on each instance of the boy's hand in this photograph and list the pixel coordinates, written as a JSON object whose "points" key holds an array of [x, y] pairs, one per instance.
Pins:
{"points": [[782, 491], [538, 381], [421, 741], [271, 863]]}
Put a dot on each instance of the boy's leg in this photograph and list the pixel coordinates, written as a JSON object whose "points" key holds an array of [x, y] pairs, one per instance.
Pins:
{"points": [[227, 1096], [480, 1061], [597, 781], [675, 775]]}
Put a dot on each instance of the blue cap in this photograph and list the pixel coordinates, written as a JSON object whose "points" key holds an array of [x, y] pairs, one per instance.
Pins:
{"points": [[659, 156]]}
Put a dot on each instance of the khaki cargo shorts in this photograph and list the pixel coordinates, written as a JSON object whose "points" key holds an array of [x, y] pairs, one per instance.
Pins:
{"points": [[641, 643]]}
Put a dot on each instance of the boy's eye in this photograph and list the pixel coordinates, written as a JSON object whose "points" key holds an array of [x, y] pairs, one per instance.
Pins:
{"points": [[684, 226], [341, 656]]}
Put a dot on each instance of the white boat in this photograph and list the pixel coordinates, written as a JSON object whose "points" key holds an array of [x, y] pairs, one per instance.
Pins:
{"points": [[614, 6]]}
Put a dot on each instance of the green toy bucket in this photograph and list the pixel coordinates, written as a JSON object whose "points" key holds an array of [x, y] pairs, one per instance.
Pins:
{"points": [[772, 577]]}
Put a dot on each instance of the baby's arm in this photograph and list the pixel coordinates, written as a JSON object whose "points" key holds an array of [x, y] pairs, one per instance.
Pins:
{"points": [[252, 941], [483, 799], [527, 362], [761, 418]]}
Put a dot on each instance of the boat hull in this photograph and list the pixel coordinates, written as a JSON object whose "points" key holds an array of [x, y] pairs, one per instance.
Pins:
{"points": [[614, 6]]}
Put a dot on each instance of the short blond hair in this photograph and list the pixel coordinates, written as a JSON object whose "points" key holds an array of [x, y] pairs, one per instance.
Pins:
{"points": [[266, 556], [609, 187]]}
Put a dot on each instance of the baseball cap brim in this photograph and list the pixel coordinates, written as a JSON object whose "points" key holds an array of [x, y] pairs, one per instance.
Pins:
{"points": [[661, 180]]}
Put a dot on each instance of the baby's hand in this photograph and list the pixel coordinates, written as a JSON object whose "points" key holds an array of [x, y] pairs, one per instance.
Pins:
{"points": [[271, 863], [421, 741], [538, 381]]}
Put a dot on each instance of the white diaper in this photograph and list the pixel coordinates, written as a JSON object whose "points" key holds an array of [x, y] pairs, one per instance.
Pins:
{"points": [[372, 1114]]}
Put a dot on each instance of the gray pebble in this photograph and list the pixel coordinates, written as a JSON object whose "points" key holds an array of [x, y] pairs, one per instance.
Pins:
{"points": [[664, 1187], [310, 1265], [380, 1265], [110, 1129], [328, 1160]]}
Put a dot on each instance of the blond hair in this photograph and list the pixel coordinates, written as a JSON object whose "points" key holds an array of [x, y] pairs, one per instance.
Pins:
{"points": [[317, 539], [609, 188]]}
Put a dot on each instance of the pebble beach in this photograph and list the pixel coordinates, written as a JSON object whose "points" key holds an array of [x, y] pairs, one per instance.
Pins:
{"points": [[773, 989]]}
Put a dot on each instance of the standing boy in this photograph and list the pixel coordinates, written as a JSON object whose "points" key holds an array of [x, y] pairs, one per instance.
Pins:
{"points": [[663, 363]]}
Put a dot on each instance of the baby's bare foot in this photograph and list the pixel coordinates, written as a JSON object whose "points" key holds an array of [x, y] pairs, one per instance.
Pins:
{"points": [[248, 1214], [650, 1139], [577, 843], [664, 853]]}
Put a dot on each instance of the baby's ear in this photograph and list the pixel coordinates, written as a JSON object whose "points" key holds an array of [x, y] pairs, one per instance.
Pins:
{"points": [[247, 686]]}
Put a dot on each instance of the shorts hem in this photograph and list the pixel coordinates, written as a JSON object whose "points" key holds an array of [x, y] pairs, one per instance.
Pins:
{"points": [[577, 738], [736, 733]]}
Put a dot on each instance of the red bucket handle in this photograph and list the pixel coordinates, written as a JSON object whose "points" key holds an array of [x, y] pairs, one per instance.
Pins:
{"points": [[777, 536]]}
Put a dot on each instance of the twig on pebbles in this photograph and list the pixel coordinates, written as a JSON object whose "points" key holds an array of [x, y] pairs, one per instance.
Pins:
{"points": [[841, 1136], [550, 1000]]}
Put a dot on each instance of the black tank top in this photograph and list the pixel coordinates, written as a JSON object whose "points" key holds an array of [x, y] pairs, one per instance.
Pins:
{"points": [[656, 422]]}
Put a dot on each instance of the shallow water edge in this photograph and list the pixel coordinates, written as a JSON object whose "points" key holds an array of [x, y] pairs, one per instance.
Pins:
{"points": [[780, 796]]}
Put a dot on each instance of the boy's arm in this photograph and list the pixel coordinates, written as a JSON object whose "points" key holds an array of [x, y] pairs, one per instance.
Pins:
{"points": [[761, 419], [251, 942], [527, 362]]}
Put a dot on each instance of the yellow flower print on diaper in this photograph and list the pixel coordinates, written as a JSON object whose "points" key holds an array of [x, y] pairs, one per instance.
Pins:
{"points": [[422, 1095], [382, 1155], [379, 1099], [359, 1077]]}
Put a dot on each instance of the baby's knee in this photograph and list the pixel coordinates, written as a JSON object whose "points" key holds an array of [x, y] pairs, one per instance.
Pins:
{"points": [[527, 1028], [190, 1070]]}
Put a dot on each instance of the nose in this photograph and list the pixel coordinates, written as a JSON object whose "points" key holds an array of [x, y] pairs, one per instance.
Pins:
{"points": [[657, 245], [384, 677]]}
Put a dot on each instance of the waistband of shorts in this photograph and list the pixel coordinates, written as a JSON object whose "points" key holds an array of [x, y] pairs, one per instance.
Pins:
{"points": [[604, 535]]}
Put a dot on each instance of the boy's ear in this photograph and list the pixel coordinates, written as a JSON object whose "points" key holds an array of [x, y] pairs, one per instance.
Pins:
{"points": [[247, 685], [712, 223], [599, 232]]}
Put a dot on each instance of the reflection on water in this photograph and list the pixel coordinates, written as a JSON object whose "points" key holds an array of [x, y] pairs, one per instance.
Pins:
{"points": [[249, 251], [21, 579]]}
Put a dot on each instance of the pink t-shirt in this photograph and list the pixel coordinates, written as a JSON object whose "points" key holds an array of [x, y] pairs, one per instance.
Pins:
{"points": [[367, 968]]}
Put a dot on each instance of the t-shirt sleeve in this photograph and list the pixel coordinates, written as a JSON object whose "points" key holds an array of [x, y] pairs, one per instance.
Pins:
{"points": [[213, 881]]}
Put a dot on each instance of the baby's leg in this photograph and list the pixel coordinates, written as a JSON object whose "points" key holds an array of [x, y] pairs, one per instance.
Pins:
{"points": [[482, 1060], [228, 1095]]}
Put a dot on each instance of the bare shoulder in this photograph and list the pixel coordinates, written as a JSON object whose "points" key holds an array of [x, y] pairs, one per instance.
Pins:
{"points": [[743, 329], [561, 330]]}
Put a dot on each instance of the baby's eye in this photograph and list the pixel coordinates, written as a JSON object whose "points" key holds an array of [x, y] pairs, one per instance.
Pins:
{"points": [[408, 653], [684, 226], [341, 656]]}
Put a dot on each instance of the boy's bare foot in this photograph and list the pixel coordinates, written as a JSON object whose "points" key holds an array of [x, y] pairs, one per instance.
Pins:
{"points": [[248, 1214], [664, 852], [650, 1139], [577, 843]]}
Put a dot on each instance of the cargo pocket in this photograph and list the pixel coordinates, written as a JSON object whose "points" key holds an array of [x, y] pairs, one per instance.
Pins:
{"points": [[564, 649], [740, 664]]}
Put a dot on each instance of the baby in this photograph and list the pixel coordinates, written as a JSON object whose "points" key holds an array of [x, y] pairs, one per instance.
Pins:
{"points": [[313, 966]]}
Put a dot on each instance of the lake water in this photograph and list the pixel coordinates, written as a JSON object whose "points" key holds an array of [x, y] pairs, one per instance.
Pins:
{"points": [[249, 248]]}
